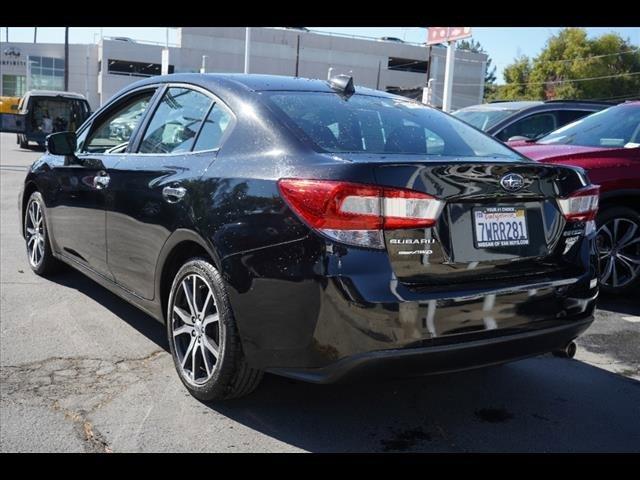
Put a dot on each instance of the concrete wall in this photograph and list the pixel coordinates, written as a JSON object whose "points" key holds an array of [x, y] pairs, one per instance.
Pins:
{"points": [[109, 84], [274, 51]]}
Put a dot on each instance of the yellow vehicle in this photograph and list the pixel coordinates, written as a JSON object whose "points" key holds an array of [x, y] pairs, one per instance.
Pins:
{"points": [[9, 104]]}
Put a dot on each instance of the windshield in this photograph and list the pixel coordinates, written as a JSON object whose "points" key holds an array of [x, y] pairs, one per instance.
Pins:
{"points": [[614, 127], [483, 119], [378, 125]]}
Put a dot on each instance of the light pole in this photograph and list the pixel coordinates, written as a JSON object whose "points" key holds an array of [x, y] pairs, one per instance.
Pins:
{"points": [[247, 49], [448, 77], [66, 59]]}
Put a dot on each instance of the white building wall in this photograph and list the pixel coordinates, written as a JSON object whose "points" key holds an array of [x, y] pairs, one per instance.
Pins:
{"points": [[83, 64], [273, 51]]}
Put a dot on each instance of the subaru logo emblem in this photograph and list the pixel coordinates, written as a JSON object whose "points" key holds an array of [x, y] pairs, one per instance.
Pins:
{"points": [[512, 182]]}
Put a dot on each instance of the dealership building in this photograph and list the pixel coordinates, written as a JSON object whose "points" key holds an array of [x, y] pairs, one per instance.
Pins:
{"points": [[99, 70]]}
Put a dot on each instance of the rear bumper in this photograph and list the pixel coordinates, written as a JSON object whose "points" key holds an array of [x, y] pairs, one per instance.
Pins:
{"points": [[443, 358], [319, 320]]}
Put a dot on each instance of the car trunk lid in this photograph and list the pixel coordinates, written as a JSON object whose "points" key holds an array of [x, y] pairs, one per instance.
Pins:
{"points": [[489, 230]]}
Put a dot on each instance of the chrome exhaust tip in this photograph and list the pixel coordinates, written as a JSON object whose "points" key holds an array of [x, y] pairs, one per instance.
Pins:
{"points": [[569, 351]]}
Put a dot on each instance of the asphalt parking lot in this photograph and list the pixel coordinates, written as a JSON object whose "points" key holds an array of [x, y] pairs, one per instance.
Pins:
{"points": [[83, 371]]}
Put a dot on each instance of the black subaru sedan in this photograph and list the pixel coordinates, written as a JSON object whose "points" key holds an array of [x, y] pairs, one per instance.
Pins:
{"points": [[314, 230]]}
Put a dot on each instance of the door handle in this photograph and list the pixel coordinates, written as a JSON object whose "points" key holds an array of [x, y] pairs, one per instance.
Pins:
{"points": [[173, 194], [101, 180]]}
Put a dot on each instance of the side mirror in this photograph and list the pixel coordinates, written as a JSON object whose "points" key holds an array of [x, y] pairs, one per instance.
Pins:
{"points": [[62, 143]]}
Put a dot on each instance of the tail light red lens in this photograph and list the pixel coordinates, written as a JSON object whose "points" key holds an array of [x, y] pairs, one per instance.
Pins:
{"points": [[356, 213], [582, 205]]}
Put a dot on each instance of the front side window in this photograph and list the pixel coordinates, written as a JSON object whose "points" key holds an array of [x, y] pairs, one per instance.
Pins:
{"points": [[614, 127], [530, 127], [81, 139], [176, 121], [116, 129], [381, 125]]}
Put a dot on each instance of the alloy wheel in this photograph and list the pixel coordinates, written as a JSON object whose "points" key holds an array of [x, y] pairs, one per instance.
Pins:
{"points": [[195, 329], [34, 230], [618, 244]]}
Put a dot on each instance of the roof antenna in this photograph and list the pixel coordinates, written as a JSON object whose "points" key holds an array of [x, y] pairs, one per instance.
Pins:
{"points": [[343, 84]]}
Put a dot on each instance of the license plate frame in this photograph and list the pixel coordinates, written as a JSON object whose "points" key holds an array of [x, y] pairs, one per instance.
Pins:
{"points": [[500, 227]]}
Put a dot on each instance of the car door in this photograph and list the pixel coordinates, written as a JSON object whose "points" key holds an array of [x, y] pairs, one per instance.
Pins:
{"points": [[152, 186], [77, 211]]}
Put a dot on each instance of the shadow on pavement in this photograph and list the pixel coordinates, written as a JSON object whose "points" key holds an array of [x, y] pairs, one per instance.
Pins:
{"points": [[543, 404], [628, 305], [143, 323]]}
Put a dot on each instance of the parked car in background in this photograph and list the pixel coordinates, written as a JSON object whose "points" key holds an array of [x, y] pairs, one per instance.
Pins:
{"points": [[42, 112], [527, 119], [311, 229], [607, 145]]}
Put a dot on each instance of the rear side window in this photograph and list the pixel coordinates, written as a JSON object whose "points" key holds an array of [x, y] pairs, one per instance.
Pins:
{"points": [[379, 125], [568, 116], [530, 127], [176, 121], [213, 129]]}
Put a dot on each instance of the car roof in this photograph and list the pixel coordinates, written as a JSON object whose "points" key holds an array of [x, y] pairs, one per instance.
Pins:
{"points": [[238, 82], [53, 93], [483, 107]]}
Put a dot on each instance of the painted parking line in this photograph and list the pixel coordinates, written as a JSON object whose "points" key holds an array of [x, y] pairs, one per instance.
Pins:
{"points": [[633, 319]]}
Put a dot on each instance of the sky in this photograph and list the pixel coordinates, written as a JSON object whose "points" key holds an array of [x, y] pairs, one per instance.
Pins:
{"points": [[502, 44]]}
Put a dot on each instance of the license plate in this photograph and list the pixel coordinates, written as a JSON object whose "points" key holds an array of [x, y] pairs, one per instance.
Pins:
{"points": [[500, 227]]}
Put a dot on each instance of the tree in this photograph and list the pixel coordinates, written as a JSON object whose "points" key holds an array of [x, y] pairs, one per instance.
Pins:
{"points": [[490, 70], [516, 77], [570, 65]]}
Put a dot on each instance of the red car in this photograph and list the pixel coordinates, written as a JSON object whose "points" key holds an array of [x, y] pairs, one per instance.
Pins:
{"points": [[607, 145]]}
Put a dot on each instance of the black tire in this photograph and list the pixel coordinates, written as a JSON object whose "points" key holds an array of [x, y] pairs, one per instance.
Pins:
{"points": [[231, 376], [46, 263], [606, 218]]}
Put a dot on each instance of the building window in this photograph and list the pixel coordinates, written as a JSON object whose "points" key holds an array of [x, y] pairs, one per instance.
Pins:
{"points": [[408, 65], [14, 85], [46, 73], [135, 69]]}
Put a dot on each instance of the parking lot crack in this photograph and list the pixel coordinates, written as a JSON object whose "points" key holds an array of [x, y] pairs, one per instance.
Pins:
{"points": [[75, 386]]}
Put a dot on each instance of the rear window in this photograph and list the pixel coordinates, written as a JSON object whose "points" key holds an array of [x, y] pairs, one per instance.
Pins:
{"points": [[379, 125], [57, 114]]}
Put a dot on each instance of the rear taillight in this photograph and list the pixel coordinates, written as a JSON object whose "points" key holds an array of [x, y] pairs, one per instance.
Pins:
{"points": [[355, 213], [582, 205]]}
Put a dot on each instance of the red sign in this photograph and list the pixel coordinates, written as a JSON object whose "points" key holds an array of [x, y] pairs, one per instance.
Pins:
{"points": [[446, 34]]}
